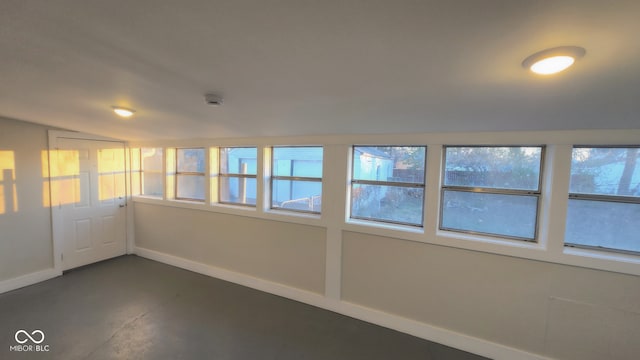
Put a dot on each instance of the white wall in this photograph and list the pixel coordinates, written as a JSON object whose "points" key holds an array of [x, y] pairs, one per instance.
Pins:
{"points": [[285, 253], [25, 229], [556, 310]]}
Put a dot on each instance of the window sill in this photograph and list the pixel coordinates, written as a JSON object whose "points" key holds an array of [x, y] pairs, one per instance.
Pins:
{"points": [[293, 214], [252, 212], [405, 232], [233, 207], [602, 260], [487, 239]]}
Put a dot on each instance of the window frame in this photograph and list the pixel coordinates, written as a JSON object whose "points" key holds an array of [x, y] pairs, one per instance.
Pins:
{"points": [[602, 198], [190, 173], [273, 177], [234, 175], [422, 186], [496, 191]]}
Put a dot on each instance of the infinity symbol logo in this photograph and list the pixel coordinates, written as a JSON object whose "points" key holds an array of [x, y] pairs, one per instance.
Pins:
{"points": [[29, 336]]}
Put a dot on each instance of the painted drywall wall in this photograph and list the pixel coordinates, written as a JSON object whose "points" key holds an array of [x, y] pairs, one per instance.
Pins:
{"points": [[561, 311], [290, 254], [25, 219]]}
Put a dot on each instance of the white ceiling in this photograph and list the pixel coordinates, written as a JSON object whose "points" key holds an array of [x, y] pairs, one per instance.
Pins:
{"points": [[296, 67]]}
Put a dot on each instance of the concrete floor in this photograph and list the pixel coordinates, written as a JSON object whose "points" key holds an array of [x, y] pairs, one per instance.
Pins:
{"points": [[133, 308]]}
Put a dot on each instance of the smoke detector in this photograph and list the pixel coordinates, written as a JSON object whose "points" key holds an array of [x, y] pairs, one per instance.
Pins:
{"points": [[213, 99]]}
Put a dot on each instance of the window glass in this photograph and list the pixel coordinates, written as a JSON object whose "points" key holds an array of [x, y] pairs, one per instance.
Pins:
{"points": [[238, 169], [387, 203], [493, 167], [297, 195], [238, 160], [190, 160], [603, 224], [605, 171], [238, 190], [190, 187], [297, 161], [495, 214], [152, 176], [190, 177]]}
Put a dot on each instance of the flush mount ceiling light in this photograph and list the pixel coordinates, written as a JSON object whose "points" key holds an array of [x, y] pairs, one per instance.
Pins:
{"points": [[123, 112], [552, 61]]}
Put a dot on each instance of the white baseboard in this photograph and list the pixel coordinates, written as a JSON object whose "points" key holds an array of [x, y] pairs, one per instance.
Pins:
{"points": [[422, 330], [28, 279]]}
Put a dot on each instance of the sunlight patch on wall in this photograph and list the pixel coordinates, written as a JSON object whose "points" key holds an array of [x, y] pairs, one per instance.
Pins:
{"points": [[8, 191]]}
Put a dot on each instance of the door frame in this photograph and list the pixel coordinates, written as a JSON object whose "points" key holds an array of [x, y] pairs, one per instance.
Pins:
{"points": [[57, 228]]}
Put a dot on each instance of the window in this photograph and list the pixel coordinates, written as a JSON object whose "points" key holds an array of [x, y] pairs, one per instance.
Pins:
{"points": [[296, 178], [151, 172], [604, 199], [388, 184], [238, 175], [492, 190], [190, 174]]}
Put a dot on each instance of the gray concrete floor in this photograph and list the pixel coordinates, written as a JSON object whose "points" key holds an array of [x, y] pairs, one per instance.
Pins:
{"points": [[133, 308]]}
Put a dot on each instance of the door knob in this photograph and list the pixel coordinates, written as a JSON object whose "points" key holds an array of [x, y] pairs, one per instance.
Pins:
{"points": [[122, 205]]}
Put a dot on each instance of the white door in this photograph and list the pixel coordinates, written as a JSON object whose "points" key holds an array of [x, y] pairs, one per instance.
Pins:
{"points": [[88, 190]]}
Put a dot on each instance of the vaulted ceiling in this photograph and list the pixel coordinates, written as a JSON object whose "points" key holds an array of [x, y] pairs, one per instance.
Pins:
{"points": [[296, 67]]}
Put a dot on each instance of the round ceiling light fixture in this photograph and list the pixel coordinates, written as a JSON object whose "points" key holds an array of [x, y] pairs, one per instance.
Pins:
{"points": [[123, 112], [554, 60]]}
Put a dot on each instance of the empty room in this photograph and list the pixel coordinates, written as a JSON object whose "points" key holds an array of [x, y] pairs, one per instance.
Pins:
{"points": [[336, 179]]}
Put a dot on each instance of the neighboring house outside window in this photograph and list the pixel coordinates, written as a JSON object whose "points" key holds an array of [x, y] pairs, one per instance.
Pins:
{"points": [[296, 178]]}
